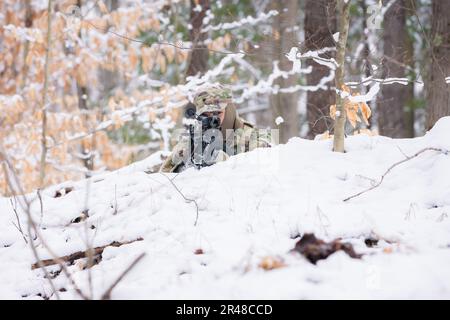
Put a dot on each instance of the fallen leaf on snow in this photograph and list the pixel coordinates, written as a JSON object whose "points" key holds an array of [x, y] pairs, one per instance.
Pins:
{"points": [[315, 249], [270, 263]]}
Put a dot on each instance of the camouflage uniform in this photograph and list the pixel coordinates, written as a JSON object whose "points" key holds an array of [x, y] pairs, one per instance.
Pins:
{"points": [[238, 134]]}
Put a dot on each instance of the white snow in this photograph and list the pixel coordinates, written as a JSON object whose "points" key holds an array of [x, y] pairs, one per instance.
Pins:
{"points": [[279, 120], [336, 36], [293, 56], [252, 206]]}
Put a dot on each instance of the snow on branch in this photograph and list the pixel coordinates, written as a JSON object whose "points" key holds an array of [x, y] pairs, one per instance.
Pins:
{"points": [[267, 85], [373, 90], [315, 55], [236, 24]]}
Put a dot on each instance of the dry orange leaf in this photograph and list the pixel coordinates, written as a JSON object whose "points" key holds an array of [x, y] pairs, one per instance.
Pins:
{"points": [[352, 108], [270, 263], [366, 112], [162, 63], [388, 250], [333, 111]]}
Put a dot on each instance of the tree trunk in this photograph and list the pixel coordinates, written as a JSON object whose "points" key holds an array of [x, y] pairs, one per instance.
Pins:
{"points": [[44, 150], [343, 8], [409, 116], [198, 58], [108, 79], [28, 24], [284, 104], [365, 56], [82, 95], [320, 24], [438, 91], [393, 105], [366, 51]]}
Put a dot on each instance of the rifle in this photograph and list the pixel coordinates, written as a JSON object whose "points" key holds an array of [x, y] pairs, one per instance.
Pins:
{"points": [[202, 146]]}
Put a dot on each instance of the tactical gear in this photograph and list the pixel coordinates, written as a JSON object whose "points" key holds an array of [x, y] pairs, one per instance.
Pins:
{"points": [[211, 122], [205, 141]]}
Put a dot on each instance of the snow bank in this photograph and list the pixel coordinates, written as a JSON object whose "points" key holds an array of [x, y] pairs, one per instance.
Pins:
{"points": [[251, 206]]}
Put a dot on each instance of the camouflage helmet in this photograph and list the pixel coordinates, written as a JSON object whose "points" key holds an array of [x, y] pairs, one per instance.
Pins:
{"points": [[215, 98]]}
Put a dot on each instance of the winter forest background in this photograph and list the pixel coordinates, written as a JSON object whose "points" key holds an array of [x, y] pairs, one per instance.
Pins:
{"points": [[355, 205], [98, 84]]}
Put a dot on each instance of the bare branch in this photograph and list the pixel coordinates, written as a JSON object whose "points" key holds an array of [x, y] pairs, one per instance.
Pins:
{"points": [[164, 43], [31, 226], [393, 166], [41, 203], [18, 226], [79, 255], [184, 197], [107, 294]]}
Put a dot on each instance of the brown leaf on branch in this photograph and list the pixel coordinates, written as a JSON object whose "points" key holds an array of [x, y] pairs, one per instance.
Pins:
{"points": [[366, 112], [352, 109]]}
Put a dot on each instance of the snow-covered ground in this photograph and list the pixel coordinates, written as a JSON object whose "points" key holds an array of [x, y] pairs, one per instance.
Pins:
{"points": [[252, 206]]}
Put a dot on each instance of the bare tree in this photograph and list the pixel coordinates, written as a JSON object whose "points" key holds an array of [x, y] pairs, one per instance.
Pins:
{"points": [[284, 104], [320, 24], [438, 90], [45, 95], [409, 112], [198, 59], [343, 10], [28, 24], [392, 107], [82, 95]]}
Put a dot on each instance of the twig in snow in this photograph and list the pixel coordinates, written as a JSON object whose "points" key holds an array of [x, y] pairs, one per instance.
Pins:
{"points": [[90, 260], [115, 200], [399, 149], [372, 181], [8, 170], [31, 225], [18, 226], [393, 166], [107, 294], [80, 254], [41, 203], [184, 197], [26, 207]]}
